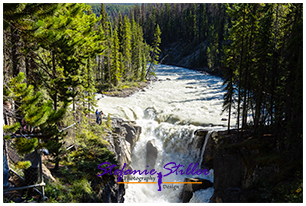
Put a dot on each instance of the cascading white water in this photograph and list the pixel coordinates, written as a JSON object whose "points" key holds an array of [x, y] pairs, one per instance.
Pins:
{"points": [[204, 146], [169, 112]]}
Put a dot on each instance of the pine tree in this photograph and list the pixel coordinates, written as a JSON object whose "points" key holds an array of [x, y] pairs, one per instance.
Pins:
{"points": [[35, 112], [293, 84], [155, 52], [133, 49], [126, 50], [229, 83], [144, 62], [104, 19], [19, 19], [67, 39], [137, 52], [263, 61], [115, 68], [120, 33]]}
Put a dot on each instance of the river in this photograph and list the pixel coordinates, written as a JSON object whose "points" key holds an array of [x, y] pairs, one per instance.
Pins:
{"points": [[169, 111]]}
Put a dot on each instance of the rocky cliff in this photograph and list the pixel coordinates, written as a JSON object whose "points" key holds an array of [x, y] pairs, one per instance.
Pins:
{"points": [[187, 55], [243, 167], [122, 139]]}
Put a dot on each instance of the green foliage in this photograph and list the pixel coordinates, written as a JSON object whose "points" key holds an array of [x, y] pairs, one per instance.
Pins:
{"points": [[75, 191], [78, 180], [280, 192], [91, 152], [24, 164], [155, 52], [123, 59], [81, 186], [11, 128], [25, 146], [58, 192], [126, 47], [109, 122], [35, 111], [116, 73]]}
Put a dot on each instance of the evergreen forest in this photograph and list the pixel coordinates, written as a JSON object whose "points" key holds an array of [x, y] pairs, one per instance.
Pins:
{"points": [[56, 57]]}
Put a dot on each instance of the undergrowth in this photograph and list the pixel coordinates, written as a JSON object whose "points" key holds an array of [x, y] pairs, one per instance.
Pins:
{"points": [[77, 177]]}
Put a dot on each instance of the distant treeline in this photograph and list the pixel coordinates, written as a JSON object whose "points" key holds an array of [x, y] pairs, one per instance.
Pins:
{"points": [[112, 9]]}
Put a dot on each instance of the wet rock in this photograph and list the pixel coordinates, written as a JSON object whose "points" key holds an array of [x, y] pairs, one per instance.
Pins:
{"points": [[189, 189], [201, 137], [138, 131], [200, 132], [123, 151], [131, 134], [150, 113], [119, 130], [231, 195], [151, 154], [121, 141], [196, 146], [210, 150]]}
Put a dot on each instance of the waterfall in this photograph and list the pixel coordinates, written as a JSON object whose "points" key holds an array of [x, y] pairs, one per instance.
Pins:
{"points": [[172, 145], [204, 146], [169, 112]]}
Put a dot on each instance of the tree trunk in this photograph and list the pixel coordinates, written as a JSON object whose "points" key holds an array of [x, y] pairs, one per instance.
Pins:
{"points": [[88, 83], [14, 51], [240, 74], [229, 118], [55, 109]]}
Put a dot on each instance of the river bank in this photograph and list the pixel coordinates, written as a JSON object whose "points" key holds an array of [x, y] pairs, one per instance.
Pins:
{"points": [[127, 91], [141, 86]]}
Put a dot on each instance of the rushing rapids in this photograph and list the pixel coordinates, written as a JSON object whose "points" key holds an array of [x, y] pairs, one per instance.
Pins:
{"points": [[169, 112]]}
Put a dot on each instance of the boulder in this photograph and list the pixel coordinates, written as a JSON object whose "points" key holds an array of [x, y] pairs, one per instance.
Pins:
{"points": [[151, 154], [189, 189], [150, 113], [236, 167]]}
